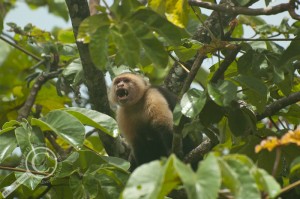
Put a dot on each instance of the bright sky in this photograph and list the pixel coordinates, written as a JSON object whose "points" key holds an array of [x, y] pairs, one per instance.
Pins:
{"points": [[22, 15]]}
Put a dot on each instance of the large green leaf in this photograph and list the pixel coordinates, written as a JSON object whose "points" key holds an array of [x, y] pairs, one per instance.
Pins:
{"points": [[192, 102], [90, 26], [241, 121], [266, 182], [205, 183], [256, 91], [176, 11], [29, 138], [152, 180], [47, 97], [95, 119], [222, 93], [291, 53], [66, 167], [64, 125], [99, 47], [247, 184], [154, 50], [144, 182], [127, 44], [8, 143], [159, 24]]}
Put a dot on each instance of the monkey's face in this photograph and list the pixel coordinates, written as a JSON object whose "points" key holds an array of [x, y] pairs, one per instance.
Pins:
{"points": [[128, 89]]}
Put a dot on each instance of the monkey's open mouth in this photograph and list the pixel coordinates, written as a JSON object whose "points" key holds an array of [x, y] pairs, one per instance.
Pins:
{"points": [[121, 93]]}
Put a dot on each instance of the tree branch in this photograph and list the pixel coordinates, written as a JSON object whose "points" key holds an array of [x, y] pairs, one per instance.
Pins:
{"points": [[225, 64], [41, 79], [21, 49], [274, 107], [193, 72], [242, 10], [197, 153]]}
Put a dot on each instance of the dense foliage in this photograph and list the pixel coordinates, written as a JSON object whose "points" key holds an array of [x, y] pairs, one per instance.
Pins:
{"points": [[58, 136]]}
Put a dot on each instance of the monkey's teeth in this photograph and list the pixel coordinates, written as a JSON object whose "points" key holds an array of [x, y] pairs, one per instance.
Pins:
{"points": [[122, 93]]}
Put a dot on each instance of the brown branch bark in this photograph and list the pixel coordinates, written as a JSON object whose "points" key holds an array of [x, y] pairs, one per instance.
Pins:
{"points": [[225, 64], [197, 154], [193, 72], [41, 79], [242, 10], [274, 107]]}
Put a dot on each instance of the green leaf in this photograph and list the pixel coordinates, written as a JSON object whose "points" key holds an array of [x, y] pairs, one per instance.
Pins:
{"points": [[208, 116], [8, 143], [205, 183], [126, 43], [176, 11], [162, 26], [32, 181], [95, 119], [266, 182], [66, 167], [47, 97], [29, 138], [111, 179], [246, 185], [240, 122], [66, 36], [192, 102], [256, 91], [187, 50], [145, 181], [117, 162], [11, 123], [291, 53], [154, 50], [64, 125], [74, 72], [252, 21], [90, 26], [8, 126], [99, 47], [152, 180], [222, 93], [79, 190]]}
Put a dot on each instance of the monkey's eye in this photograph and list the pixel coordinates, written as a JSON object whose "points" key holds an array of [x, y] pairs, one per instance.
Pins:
{"points": [[122, 92]]}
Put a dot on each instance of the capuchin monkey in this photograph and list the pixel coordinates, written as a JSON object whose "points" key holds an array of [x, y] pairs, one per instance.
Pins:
{"points": [[144, 116]]}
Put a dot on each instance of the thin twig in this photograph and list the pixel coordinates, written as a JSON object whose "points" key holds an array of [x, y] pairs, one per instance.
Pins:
{"points": [[261, 39], [193, 72], [289, 187], [180, 63], [225, 64], [277, 160], [21, 49], [62, 153], [23, 170]]}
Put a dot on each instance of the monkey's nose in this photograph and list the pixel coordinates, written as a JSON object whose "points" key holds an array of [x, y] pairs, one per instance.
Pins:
{"points": [[120, 85]]}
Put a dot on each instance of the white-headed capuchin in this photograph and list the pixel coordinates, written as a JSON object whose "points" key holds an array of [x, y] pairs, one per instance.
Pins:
{"points": [[144, 116]]}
